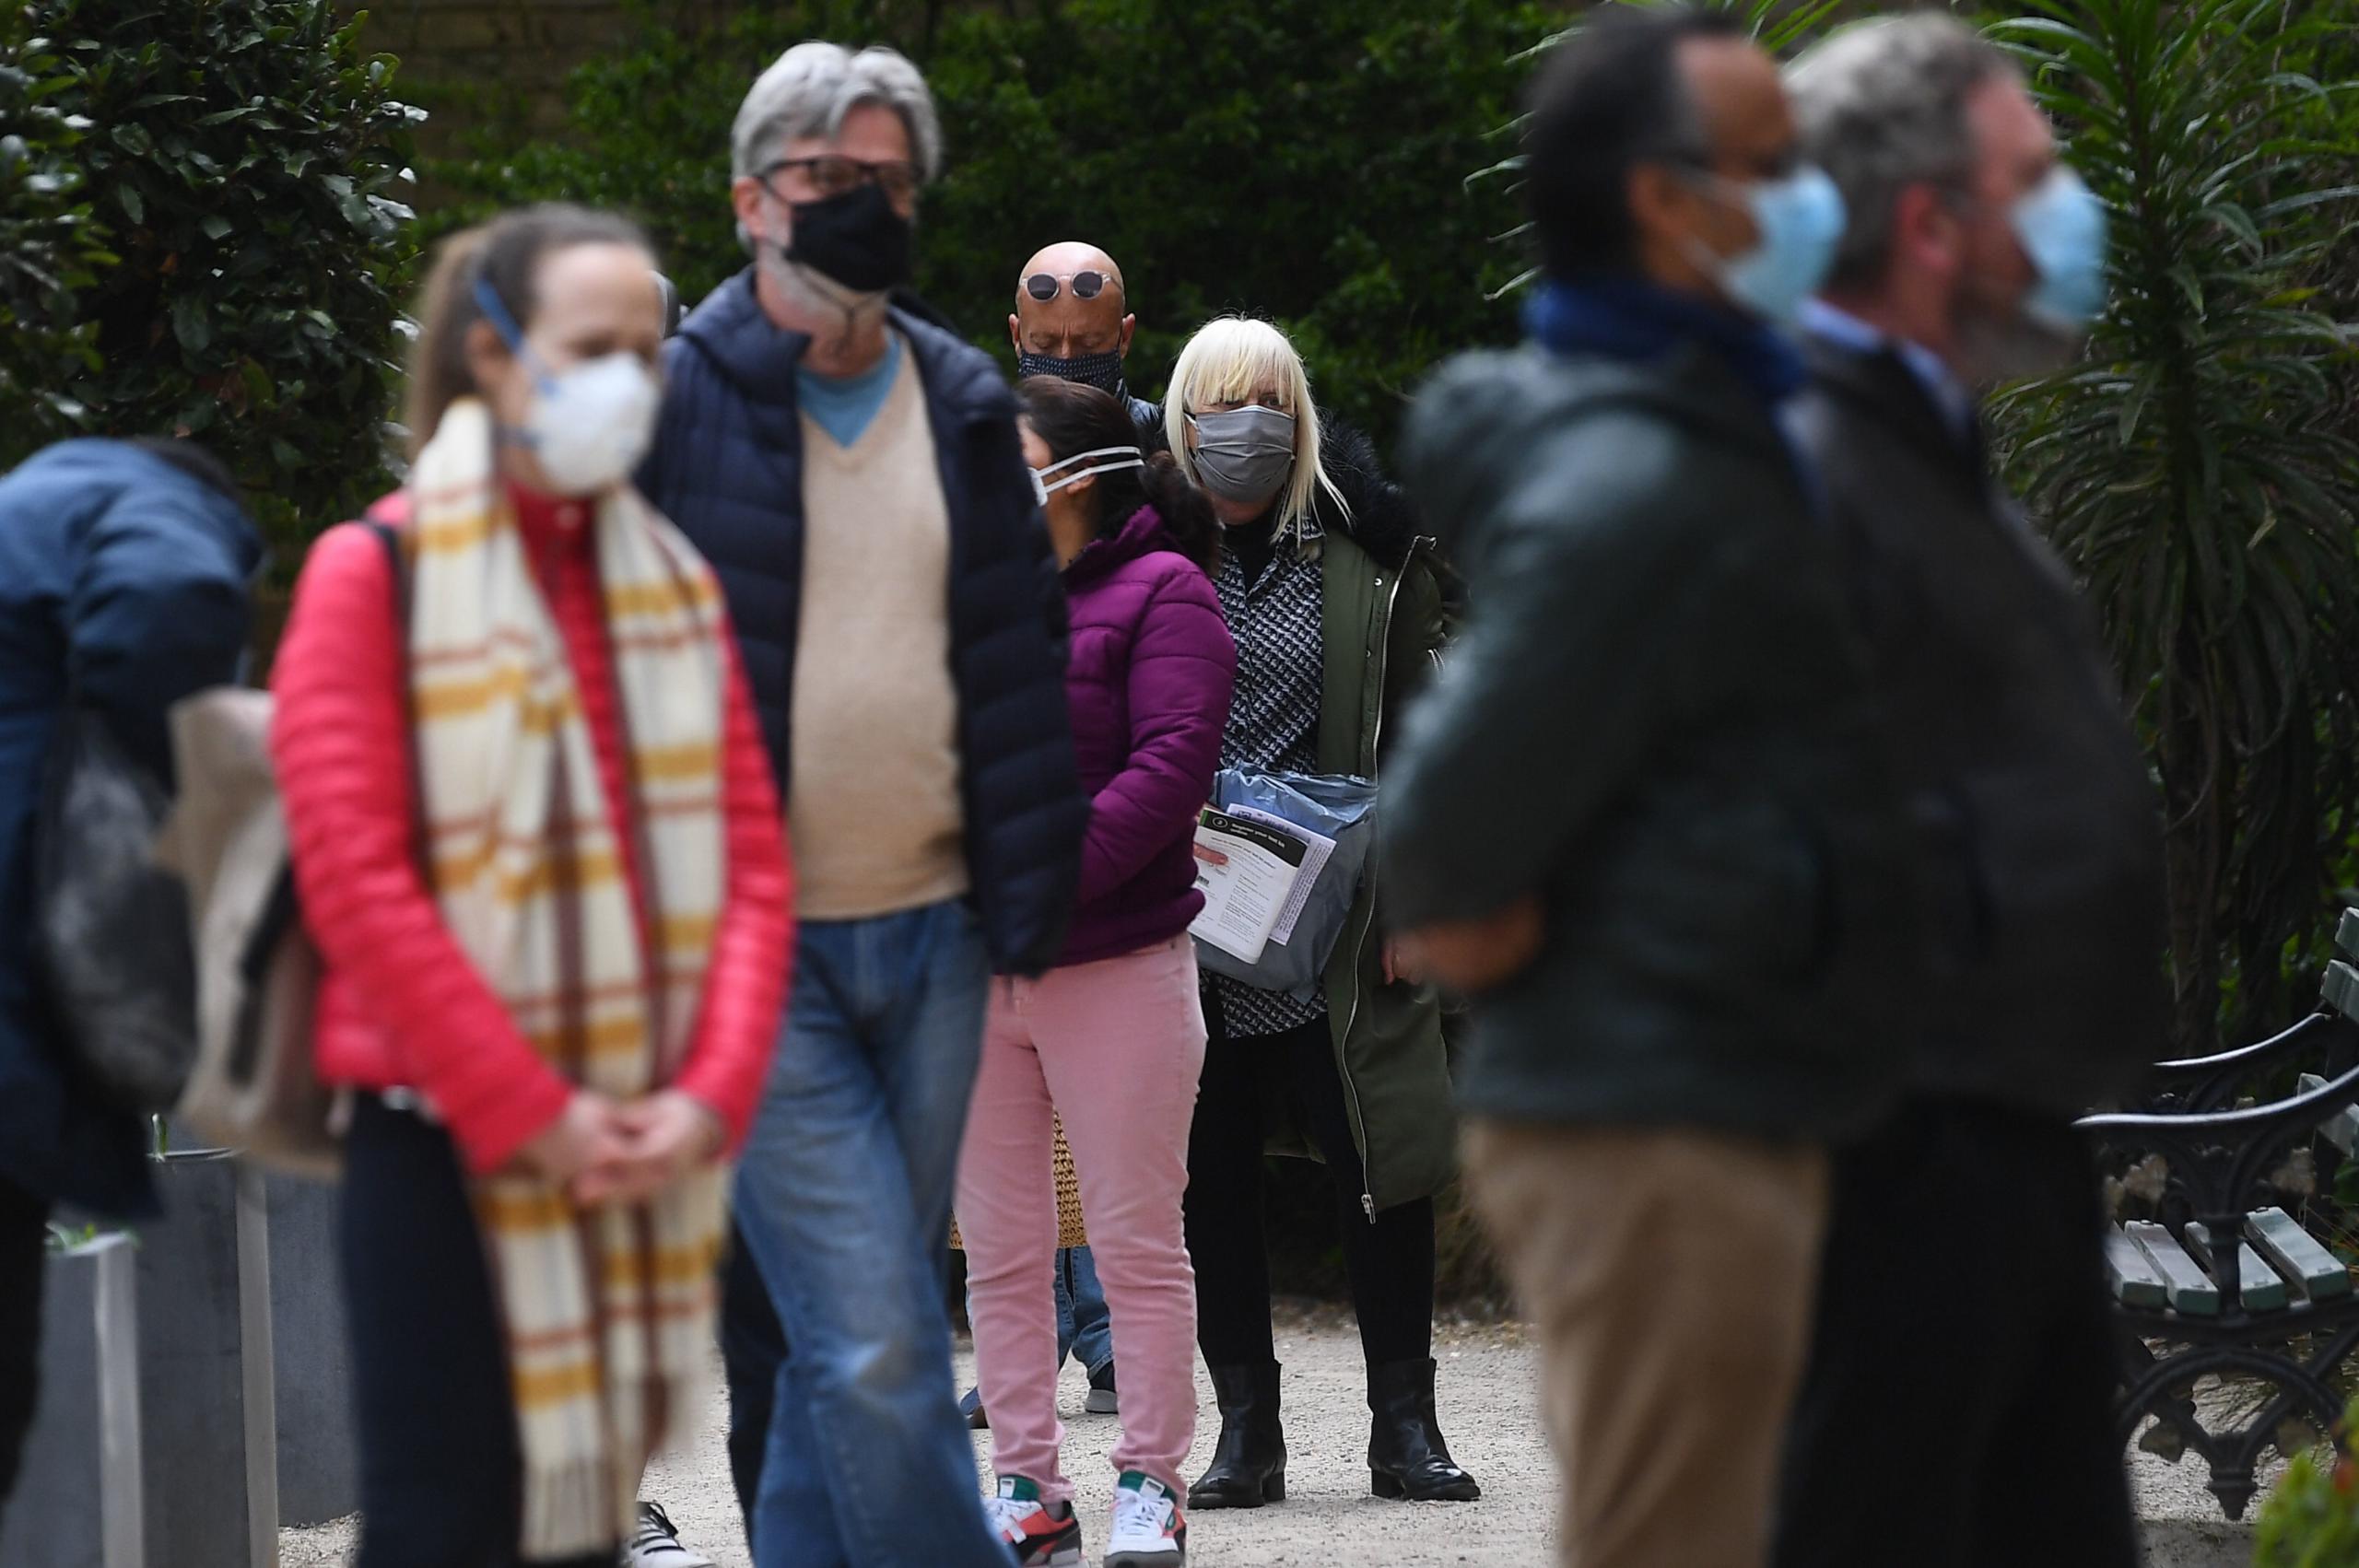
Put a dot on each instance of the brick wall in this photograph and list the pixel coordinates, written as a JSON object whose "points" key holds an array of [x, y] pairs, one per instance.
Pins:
{"points": [[467, 59]]}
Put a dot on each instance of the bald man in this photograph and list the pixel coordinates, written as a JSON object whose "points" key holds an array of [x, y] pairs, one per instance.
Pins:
{"points": [[1072, 320]]}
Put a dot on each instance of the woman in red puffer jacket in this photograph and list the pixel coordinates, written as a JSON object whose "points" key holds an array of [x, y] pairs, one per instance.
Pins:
{"points": [[538, 846]]}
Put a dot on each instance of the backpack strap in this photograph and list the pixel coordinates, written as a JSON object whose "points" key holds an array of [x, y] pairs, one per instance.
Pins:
{"points": [[397, 559], [282, 911]]}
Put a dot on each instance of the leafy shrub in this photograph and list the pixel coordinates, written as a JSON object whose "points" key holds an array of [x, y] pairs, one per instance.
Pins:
{"points": [[1296, 158], [2311, 1520], [243, 156], [50, 244]]}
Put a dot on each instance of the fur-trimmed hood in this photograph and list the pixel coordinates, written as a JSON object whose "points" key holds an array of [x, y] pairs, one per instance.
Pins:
{"points": [[1382, 521]]}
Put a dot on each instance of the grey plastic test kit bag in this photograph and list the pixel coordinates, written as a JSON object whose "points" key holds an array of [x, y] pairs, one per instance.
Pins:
{"points": [[1340, 808]]}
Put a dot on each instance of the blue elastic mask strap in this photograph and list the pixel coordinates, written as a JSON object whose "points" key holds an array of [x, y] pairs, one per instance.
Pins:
{"points": [[495, 310]]}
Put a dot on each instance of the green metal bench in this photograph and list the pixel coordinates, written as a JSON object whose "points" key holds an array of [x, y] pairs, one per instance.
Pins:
{"points": [[2195, 1172]]}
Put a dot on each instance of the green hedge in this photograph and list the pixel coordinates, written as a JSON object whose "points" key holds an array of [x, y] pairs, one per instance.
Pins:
{"points": [[240, 158], [1296, 158], [50, 244]]}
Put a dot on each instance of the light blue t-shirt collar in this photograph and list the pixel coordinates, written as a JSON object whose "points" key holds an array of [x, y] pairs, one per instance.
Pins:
{"points": [[1952, 397], [846, 405]]}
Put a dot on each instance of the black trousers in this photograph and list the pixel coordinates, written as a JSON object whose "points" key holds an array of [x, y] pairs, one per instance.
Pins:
{"points": [[440, 1474], [24, 1240], [1389, 1261], [752, 1351], [1962, 1372]]}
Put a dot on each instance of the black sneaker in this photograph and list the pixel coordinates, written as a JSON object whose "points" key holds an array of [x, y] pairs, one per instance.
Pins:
{"points": [[1102, 1398]]}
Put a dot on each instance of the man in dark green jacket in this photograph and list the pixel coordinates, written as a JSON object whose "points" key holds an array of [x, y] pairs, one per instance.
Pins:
{"points": [[1641, 816]]}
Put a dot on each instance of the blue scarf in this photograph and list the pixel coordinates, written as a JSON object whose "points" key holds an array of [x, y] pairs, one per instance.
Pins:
{"points": [[1629, 318]]}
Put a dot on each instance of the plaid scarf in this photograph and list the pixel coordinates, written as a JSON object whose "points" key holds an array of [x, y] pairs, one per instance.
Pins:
{"points": [[608, 1312]]}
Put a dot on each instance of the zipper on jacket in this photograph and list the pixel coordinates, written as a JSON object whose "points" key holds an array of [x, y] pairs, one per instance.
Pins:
{"points": [[1382, 654]]}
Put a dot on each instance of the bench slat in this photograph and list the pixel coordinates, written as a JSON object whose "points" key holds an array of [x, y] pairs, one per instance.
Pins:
{"points": [[2340, 991], [2189, 1289], [2346, 934], [2298, 1254], [2257, 1285], [2342, 1129], [2136, 1281]]}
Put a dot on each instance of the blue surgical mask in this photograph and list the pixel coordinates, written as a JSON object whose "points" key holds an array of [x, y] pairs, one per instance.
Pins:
{"points": [[2061, 226], [1800, 221]]}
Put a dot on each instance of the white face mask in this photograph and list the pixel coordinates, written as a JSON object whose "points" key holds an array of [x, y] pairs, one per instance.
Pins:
{"points": [[1042, 489], [590, 425], [590, 422]]}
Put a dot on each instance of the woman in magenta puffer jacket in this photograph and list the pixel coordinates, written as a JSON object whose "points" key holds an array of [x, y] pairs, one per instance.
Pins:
{"points": [[1114, 1035]]}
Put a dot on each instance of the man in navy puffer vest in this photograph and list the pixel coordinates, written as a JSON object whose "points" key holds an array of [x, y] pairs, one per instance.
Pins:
{"points": [[853, 473]]}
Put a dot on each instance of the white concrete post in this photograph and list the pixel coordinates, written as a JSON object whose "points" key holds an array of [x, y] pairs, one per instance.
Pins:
{"points": [[122, 1510], [255, 1352]]}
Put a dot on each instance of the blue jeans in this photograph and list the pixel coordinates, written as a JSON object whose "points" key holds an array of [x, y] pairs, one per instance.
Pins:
{"points": [[843, 1199], [1085, 1327]]}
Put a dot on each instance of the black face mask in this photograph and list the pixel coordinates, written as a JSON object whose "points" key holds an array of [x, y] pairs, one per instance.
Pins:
{"points": [[1103, 371], [855, 239]]}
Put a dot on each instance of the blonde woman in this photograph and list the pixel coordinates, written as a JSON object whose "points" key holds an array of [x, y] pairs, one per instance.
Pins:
{"points": [[1336, 608], [537, 845]]}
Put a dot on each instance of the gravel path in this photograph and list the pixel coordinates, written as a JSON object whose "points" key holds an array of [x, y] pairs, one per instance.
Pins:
{"points": [[1486, 1385]]}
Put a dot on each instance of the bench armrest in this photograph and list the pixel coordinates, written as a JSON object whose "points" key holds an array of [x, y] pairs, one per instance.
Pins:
{"points": [[2324, 1040]]}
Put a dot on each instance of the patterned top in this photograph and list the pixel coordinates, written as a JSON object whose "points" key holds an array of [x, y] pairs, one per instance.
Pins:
{"points": [[1273, 721]]}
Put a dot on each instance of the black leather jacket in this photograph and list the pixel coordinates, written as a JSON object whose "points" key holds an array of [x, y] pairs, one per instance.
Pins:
{"points": [[1659, 718]]}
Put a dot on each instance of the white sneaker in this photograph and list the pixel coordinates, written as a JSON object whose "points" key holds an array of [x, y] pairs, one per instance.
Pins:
{"points": [[657, 1545], [1148, 1529]]}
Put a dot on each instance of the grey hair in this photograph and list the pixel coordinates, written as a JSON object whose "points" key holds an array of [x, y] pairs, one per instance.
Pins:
{"points": [[812, 86], [1881, 107]]}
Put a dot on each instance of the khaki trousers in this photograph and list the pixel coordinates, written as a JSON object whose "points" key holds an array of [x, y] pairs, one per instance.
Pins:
{"points": [[1672, 1275]]}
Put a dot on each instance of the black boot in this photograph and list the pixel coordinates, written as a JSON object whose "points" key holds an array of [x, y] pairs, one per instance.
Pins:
{"points": [[1249, 1465], [1406, 1456]]}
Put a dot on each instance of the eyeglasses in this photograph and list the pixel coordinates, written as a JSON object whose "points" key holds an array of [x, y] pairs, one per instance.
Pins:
{"points": [[834, 174], [1085, 285], [1704, 167]]}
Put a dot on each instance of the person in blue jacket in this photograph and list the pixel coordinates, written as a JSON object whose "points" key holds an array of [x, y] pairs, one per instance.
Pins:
{"points": [[853, 473], [125, 568]]}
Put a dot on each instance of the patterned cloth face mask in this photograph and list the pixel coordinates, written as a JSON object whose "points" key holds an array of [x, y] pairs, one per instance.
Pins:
{"points": [[1103, 371]]}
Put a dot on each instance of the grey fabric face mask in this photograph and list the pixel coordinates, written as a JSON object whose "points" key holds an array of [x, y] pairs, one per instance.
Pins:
{"points": [[1246, 454]]}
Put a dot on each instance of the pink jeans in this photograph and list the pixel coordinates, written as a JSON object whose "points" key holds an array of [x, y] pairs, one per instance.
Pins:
{"points": [[1117, 1047]]}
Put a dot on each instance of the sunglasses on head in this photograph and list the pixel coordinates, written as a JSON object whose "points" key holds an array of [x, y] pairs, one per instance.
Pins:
{"points": [[1085, 285]]}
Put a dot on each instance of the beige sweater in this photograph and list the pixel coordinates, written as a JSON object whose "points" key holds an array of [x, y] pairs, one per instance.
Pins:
{"points": [[873, 805]]}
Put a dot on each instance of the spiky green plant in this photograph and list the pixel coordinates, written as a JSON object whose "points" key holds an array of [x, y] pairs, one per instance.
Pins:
{"points": [[2196, 469]]}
